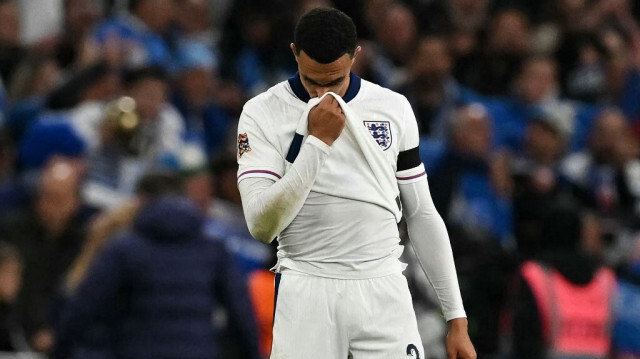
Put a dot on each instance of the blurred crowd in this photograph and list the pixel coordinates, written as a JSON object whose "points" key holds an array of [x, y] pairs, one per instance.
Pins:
{"points": [[119, 208]]}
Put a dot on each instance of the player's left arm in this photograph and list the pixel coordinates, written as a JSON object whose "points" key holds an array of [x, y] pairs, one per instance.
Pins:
{"points": [[429, 238]]}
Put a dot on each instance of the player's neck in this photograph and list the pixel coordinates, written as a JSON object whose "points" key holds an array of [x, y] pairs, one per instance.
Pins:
{"points": [[351, 88], [344, 89]]}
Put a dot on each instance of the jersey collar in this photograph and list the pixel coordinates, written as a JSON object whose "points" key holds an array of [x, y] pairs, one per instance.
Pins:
{"points": [[301, 93]]}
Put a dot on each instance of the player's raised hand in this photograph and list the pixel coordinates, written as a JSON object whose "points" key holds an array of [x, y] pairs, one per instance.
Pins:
{"points": [[326, 120], [458, 343]]}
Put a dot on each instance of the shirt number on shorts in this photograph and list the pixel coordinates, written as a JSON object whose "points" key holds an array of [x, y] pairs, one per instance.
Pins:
{"points": [[412, 351]]}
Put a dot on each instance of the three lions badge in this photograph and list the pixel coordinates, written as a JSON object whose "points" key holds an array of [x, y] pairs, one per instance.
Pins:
{"points": [[381, 132], [243, 144]]}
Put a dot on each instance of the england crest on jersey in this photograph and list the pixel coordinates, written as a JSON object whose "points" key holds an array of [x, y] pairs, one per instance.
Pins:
{"points": [[381, 132]]}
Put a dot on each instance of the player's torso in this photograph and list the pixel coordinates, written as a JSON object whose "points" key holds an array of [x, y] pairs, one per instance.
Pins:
{"points": [[333, 234]]}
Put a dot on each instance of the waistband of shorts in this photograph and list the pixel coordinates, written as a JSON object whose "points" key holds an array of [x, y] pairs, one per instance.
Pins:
{"points": [[376, 270]]}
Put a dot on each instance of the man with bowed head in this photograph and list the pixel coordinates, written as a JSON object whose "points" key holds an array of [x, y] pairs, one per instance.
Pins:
{"points": [[332, 197]]}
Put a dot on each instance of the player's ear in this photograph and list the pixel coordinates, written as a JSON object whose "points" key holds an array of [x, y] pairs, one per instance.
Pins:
{"points": [[293, 49], [355, 53]]}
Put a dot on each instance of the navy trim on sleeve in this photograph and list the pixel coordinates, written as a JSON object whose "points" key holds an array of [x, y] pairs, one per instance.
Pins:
{"points": [[298, 89], [294, 148], [409, 159], [275, 296]]}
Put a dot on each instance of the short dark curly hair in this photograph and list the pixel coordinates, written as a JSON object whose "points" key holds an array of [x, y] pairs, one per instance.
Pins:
{"points": [[325, 35]]}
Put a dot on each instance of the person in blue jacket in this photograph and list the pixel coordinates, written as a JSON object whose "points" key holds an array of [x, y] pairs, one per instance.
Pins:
{"points": [[157, 287]]}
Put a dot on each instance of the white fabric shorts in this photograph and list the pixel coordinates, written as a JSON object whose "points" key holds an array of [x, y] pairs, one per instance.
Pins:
{"points": [[326, 318]]}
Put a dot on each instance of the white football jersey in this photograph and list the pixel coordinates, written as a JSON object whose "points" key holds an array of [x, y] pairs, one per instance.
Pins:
{"points": [[342, 231]]}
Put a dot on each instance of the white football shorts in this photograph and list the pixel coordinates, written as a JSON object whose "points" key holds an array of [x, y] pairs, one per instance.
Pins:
{"points": [[326, 318]]}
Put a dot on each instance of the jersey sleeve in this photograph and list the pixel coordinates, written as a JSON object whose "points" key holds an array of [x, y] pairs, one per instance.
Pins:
{"points": [[258, 155], [409, 167]]}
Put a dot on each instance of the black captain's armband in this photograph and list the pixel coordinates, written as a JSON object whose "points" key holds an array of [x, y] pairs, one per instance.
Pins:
{"points": [[408, 159]]}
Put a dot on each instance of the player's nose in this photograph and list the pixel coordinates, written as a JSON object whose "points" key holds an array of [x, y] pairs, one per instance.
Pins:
{"points": [[321, 91]]}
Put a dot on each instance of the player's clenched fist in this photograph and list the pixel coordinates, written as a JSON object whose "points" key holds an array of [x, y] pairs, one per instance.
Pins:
{"points": [[326, 120]]}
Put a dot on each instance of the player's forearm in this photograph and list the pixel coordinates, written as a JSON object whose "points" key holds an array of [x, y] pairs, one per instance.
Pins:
{"points": [[430, 241], [269, 206]]}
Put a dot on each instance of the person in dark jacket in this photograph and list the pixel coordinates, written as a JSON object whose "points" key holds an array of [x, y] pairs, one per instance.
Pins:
{"points": [[157, 287], [48, 233]]}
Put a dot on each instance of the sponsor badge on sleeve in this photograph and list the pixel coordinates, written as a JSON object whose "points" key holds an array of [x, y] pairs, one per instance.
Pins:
{"points": [[243, 144]]}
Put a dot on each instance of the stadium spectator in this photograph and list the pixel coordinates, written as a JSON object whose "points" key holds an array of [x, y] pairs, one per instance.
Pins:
{"points": [[563, 307], [34, 78], [49, 235], [598, 52], [195, 23], [585, 75], [466, 186], [126, 151], [171, 295], [536, 175], [470, 15], [535, 86], [431, 89], [623, 68], [70, 46], [536, 89], [136, 39], [11, 333], [396, 33], [205, 120], [463, 22], [587, 16], [258, 63], [606, 177], [70, 128], [507, 46]]}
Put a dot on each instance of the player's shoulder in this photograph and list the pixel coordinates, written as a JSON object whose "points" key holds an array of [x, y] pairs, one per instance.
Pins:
{"points": [[374, 93], [260, 102], [272, 103]]}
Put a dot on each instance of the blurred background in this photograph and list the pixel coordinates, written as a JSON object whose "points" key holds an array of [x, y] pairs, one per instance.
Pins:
{"points": [[122, 114]]}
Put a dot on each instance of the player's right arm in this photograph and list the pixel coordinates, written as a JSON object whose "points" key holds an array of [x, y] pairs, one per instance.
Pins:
{"points": [[270, 198]]}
